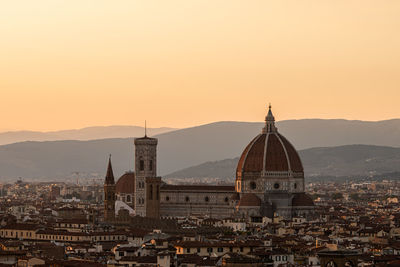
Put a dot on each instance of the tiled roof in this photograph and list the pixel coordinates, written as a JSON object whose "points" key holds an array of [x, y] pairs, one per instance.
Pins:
{"points": [[270, 152], [249, 200], [126, 183], [302, 199], [224, 188]]}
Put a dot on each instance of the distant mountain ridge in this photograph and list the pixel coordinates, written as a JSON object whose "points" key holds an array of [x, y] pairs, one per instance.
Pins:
{"points": [[187, 147], [88, 133], [350, 160]]}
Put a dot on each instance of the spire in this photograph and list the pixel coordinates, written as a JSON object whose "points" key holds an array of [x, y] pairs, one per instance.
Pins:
{"points": [[110, 174], [145, 129], [269, 122]]}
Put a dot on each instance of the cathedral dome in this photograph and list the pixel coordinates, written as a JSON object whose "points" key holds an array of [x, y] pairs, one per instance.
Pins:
{"points": [[126, 184], [249, 200], [270, 152], [302, 199]]}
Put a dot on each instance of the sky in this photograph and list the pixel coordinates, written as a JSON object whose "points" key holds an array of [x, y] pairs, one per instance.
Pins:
{"points": [[78, 63]]}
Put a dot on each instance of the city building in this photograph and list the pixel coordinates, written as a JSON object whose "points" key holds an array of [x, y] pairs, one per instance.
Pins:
{"points": [[269, 182]]}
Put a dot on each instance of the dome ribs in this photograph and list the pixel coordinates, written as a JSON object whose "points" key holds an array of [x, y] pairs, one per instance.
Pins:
{"points": [[126, 183], [255, 156], [244, 155], [269, 154], [295, 161], [275, 158]]}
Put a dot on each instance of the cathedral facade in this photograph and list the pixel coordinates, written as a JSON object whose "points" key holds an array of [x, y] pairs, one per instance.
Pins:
{"points": [[269, 182]]}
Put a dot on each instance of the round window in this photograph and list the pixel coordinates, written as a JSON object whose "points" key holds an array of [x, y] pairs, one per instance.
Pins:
{"points": [[276, 185], [253, 185]]}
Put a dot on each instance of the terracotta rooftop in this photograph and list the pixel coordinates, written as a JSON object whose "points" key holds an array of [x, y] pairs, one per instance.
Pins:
{"points": [[269, 152], [126, 183], [224, 188], [302, 199], [249, 200]]}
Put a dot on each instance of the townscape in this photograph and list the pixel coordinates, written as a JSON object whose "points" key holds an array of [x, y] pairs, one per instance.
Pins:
{"points": [[143, 133], [271, 217], [45, 223]]}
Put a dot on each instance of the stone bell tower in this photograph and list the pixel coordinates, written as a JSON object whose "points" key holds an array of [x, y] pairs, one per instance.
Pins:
{"points": [[109, 194], [147, 188]]}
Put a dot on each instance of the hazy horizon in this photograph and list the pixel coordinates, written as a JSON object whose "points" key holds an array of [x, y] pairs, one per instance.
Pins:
{"points": [[189, 126]]}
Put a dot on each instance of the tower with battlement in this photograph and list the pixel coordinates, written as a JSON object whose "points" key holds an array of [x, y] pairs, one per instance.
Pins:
{"points": [[147, 188]]}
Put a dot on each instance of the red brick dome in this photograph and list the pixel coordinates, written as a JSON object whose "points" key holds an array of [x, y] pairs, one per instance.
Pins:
{"points": [[302, 199], [269, 152], [249, 200], [126, 184]]}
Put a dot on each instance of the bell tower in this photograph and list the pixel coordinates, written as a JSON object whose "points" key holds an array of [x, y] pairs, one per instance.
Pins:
{"points": [[109, 194], [147, 188]]}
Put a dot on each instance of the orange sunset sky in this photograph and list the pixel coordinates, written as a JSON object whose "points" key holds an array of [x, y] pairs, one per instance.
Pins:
{"points": [[77, 63]]}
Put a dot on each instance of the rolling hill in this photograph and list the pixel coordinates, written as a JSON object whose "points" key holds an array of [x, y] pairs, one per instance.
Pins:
{"points": [[88, 133], [187, 147], [350, 160]]}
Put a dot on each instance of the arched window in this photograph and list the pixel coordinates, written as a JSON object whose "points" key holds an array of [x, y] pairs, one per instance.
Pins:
{"points": [[167, 198], [128, 198], [158, 192], [151, 165], [187, 199], [226, 199], [207, 199]]}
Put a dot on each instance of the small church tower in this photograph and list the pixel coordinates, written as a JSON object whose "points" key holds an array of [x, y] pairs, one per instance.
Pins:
{"points": [[147, 189], [109, 194]]}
